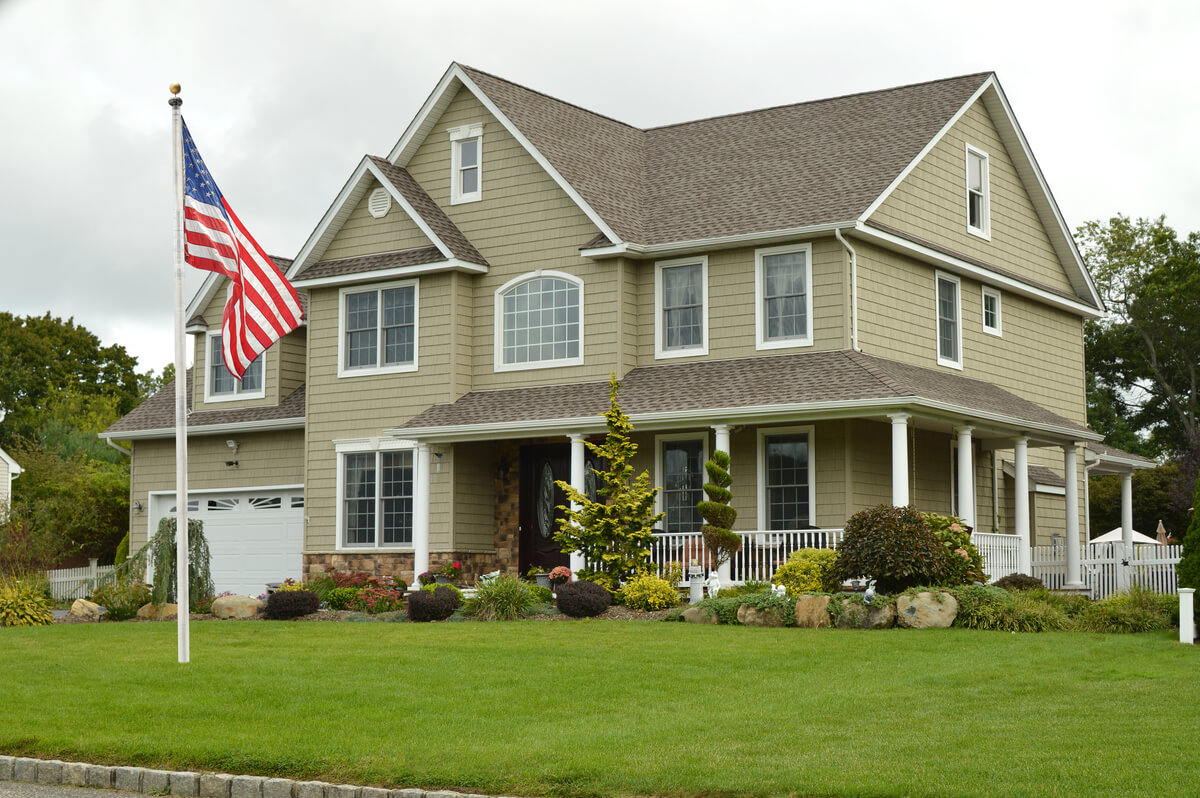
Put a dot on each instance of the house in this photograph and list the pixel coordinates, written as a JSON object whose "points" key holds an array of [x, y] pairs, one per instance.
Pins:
{"points": [[865, 299], [9, 469]]}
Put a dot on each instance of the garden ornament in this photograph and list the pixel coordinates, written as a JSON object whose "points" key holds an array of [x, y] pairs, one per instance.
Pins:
{"points": [[869, 595], [714, 584], [779, 590]]}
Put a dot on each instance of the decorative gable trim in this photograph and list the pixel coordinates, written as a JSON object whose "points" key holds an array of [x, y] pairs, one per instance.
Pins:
{"points": [[13, 467]]}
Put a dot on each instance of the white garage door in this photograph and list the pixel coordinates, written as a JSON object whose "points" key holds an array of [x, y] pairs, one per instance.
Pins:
{"points": [[254, 536]]}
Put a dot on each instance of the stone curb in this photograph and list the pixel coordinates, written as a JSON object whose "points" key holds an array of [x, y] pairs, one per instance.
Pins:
{"points": [[189, 784]]}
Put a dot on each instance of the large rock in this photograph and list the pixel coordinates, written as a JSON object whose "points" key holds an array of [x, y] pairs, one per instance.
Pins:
{"points": [[82, 608], [753, 616], [158, 612], [237, 607], [856, 615], [927, 610], [699, 615], [812, 612]]}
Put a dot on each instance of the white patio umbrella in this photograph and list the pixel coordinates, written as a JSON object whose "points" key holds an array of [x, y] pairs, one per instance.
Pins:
{"points": [[1115, 537], [1161, 533]]}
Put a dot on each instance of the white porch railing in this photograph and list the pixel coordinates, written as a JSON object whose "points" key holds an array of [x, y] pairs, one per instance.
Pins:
{"points": [[1001, 553], [75, 582], [761, 554]]}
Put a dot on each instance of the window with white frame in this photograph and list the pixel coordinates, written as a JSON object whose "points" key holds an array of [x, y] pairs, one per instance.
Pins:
{"points": [[681, 478], [785, 468], [219, 383], [949, 328], [376, 499], [538, 322], [681, 301], [378, 329], [466, 164], [991, 310], [978, 211], [783, 296]]}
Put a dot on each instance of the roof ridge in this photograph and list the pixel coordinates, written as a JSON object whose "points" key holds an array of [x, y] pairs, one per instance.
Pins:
{"points": [[867, 363], [523, 87]]}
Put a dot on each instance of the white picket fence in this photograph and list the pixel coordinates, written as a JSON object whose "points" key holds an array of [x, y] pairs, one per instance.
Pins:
{"points": [[73, 583], [761, 554]]}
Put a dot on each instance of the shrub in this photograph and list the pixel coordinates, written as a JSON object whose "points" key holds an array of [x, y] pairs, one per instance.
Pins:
{"points": [[807, 571], [374, 600], [984, 607], [504, 598], [673, 573], [321, 585], [1019, 582], [433, 605], [355, 579], [1188, 569], [583, 599], [725, 608], [291, 584], [203, 605], [744, 589], [122, 550], [340, 598], [649, 592], [539, 594], [1033, 614], [122, 600], [1134, 610], [22, 604], [457, 593], [962, 558], [719, 537], [282, 605], [893, 546]]}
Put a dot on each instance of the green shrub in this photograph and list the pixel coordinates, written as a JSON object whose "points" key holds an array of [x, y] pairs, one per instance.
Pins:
{"points": [[122, 600], [22, 604], [1134, 610], [283, 605], [963, 560], [374, 600], [1033, 614], [649, 592], [1188, 569], [724, 608], [893, 546], [504, 598], [321, 585], [434, 587], [744, 589], [984, 607], [292, 584], [539, 594], [340, 598], [807, 571], [1019, 582], [122, 550], [581, 599]]}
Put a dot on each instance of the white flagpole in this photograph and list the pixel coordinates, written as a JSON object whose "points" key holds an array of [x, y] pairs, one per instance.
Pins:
{"points": [[181, 494]]}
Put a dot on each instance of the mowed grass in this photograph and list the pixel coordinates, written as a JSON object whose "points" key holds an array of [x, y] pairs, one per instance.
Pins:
{"points": [[613, 709]]}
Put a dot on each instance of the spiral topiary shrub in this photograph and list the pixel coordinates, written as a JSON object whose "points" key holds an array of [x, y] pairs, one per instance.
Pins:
{"points": [[287, 604], [649, 592], [807, 571], [582, 599], [893, 546], [1019, 582], [433, 605]]}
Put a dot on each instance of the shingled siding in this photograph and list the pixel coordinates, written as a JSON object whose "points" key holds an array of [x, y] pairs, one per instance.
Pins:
{"points": [[931, 203], [474, 496], [264, 458], [291, 354], [363, 234]]}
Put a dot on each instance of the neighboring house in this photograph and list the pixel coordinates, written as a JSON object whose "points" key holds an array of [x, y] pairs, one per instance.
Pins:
{"points": [[866, 299], [9, 469]]}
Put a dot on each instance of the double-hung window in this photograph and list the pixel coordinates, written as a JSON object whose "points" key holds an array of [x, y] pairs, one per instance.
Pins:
{"points": [[785, 468], [978, 211], [681, 299], [379, 329], [220, 385], [538, 321], [991, 311], [949, 326], [375, 501], [681, 475], [466, 163], [783, 296]]}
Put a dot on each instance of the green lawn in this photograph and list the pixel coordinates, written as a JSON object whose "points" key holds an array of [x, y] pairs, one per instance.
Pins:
{"points": [[611, 708]]}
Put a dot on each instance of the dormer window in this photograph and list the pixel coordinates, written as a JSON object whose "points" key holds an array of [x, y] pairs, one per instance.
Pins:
{"points": [[219, 383], [466, 162], [978, 212]]}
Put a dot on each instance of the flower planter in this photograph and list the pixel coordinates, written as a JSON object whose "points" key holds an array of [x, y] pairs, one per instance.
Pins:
{"points": [[543, 580], [444, 580]]}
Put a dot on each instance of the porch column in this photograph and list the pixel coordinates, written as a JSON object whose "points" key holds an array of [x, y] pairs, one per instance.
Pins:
{"points": [[966, 475], [1074, 574], [578, 473], [1126, 530], [899, 458], [1021, 504], [722, 433], [421, 512]]}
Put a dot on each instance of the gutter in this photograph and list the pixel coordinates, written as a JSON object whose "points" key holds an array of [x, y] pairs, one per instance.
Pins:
{"points": [[118, 447], [837, 233]]}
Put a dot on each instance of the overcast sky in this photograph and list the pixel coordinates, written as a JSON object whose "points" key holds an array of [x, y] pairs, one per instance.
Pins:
{"points": [[283, 99]]}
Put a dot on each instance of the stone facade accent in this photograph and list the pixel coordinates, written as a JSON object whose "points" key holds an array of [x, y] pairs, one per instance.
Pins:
{"points": [[506, 533]]}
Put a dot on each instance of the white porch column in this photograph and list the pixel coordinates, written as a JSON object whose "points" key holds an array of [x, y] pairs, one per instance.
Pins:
{"points": [[722, 433], [1070, 475], [421, 512], [1126, 530], [578, 474], [1021, 503], [966, 475], [899, 458]]}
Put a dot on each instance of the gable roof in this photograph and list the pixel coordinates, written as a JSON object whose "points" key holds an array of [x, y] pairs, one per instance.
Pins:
{"points": [[14, 467]]}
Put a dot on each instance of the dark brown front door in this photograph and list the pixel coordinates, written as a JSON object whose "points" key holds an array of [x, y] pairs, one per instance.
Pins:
{"points": [[541, 467]]}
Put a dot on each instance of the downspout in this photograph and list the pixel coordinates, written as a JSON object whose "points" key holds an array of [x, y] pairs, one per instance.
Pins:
{"points": [[119, 447], [837, 232]]}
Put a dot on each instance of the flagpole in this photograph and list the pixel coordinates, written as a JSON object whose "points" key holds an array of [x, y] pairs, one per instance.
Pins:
{"points": [[181, 495]]}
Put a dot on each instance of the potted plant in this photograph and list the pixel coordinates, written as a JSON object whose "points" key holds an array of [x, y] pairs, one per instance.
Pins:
{"points": [[559, 575], [426, 578], [448, 574], [538, 575]]}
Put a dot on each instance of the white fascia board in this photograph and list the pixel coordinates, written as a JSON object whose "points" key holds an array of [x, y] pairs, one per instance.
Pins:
{"points": [[352, 191], [452, 265], [719, 242], [430, 110], [1124, 464], [202, 297], [963, 267], [13, 467], [208, 429]]}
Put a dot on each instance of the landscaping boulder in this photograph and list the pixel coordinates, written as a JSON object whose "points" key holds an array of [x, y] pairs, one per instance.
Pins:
{"points": [[699, 615], [753, 616], [158, 612], [812, 612], [927, 610], [82, 608], [856, 615], [236, 607]]}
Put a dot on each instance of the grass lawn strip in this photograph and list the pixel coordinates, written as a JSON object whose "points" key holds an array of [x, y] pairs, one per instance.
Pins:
{"points": [[596, 708]]}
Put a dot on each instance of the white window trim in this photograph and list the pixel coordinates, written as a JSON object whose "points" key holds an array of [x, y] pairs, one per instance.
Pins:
{"points": [[958, 327], [986, 292], [498, 363], [457, 136], [659, 440], [984, 232], [761, 476], [760, 338], [238, 394], [358, 446], [660, 350], [399, 368]]}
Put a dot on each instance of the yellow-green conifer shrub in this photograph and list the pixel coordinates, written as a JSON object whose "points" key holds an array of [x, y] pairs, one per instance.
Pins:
{"points": [[807, 571], [649, 592], [22, 604]]}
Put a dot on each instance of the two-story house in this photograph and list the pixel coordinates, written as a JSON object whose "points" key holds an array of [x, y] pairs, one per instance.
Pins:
{"points": [[866, 299]]}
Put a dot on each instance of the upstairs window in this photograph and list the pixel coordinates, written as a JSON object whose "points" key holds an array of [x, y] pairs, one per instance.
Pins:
{"points": [[378, 330], [783, 296], [466, 162], [978, 212], [538, 322], [681, 299], [949, 330], [220, 385], [991, 311]]}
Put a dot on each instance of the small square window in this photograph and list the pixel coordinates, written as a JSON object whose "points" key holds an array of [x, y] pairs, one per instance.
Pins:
{"points": [[991, 311]]}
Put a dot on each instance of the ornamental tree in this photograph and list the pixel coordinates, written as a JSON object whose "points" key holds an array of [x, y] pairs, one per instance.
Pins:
{"points": [[718, 515], [1188, 569]]}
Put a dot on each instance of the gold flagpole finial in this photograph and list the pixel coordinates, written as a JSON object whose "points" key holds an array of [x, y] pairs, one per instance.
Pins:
{"points": [[175, 88], [175, 100]]}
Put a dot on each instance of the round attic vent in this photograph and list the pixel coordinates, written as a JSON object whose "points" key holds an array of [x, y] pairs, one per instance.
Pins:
{"points": [[379, 203]]}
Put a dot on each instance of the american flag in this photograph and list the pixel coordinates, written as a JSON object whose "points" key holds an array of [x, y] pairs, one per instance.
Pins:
{"points": [[262, 306]]}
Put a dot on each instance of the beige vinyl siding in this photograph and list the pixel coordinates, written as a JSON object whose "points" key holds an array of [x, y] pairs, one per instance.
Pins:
{"points": [[462, 307], [930, 471], [474, 497], [291, 354], [630, 308], [870, 459], [931, 203], [363, 234], [264, 458]]}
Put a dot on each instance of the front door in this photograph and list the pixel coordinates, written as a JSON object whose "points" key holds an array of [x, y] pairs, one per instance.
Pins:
{"points": [[541, 467]]}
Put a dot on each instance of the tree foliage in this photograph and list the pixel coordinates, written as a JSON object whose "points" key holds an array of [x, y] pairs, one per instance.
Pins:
{"points": [[1154, 499], [1188, 569]]}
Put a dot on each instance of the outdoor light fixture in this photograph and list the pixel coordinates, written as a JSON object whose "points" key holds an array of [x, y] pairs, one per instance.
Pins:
{"points": [[232, 444], [137, 507]]}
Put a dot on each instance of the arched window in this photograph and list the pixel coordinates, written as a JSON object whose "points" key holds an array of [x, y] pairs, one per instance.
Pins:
{"points": [[539, 321]]}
